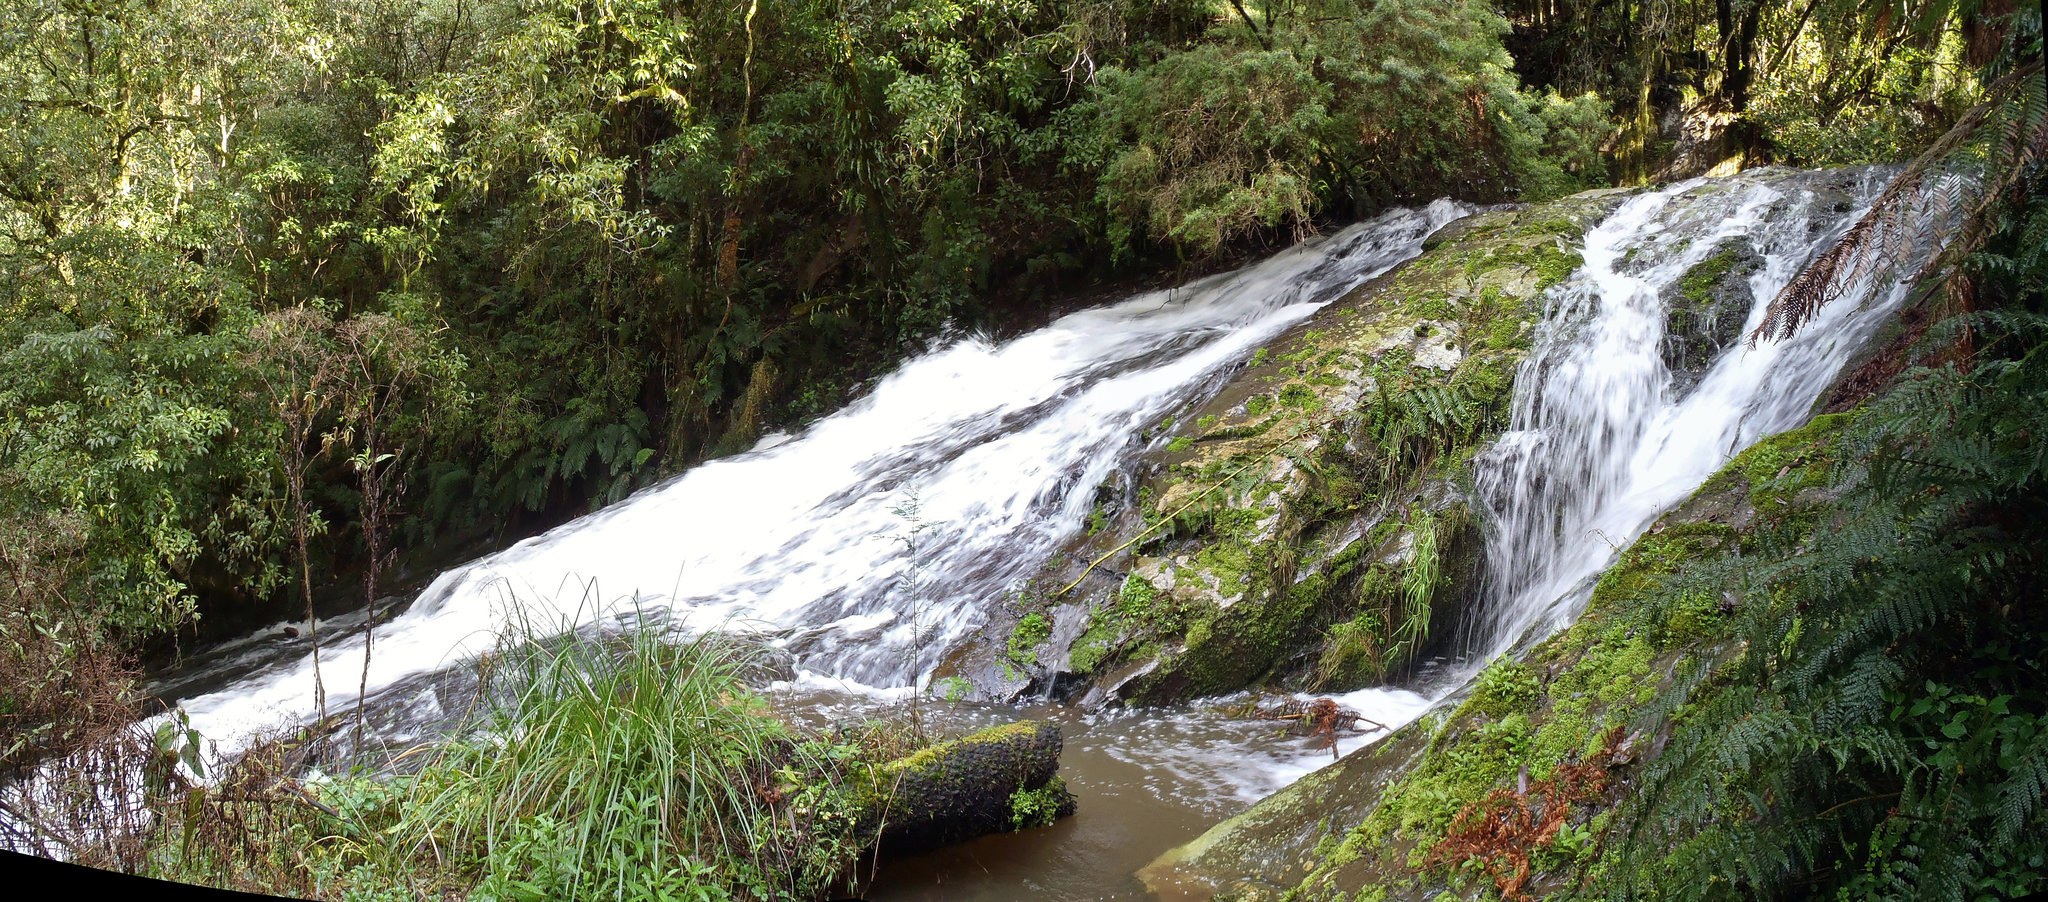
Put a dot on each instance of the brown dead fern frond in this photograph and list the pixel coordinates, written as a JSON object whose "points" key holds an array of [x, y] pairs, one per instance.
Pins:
{"points": [[1951, 188], [1499, 833], [1322, 717]]}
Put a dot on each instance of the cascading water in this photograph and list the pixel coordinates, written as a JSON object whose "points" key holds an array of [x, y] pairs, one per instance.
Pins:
{"points": [[883, 528], [1604, 434], [1604, 437]]}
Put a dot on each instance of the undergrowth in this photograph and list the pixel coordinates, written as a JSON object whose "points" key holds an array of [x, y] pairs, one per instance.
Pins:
{"points": [[598, 765], [630, 767], [1883, 733]]}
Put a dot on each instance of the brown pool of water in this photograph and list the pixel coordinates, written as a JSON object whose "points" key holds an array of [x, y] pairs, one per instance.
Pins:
{"points": [[1118, 827], [1144, 782]]}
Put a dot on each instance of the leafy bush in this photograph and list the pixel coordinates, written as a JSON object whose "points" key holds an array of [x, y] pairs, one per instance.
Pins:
{"points": [[1335, 102]]}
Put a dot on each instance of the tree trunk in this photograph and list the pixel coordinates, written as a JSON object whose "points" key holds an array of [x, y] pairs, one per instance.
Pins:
{"points": [[1738, 21]]}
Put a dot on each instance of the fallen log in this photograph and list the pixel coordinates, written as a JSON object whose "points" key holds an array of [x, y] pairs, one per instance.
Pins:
{"points": [[999, 780]]}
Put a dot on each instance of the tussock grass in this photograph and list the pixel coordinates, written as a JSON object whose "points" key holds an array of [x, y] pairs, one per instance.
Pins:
{"points": [[594, 765], [630, 766]]}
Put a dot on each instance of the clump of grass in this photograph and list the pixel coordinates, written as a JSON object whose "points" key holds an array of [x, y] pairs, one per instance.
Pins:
{"points": [[614, 766], [630, 766]]}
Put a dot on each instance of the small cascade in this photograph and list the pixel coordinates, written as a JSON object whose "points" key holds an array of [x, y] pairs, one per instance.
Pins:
{"points": [[1605, 435]]}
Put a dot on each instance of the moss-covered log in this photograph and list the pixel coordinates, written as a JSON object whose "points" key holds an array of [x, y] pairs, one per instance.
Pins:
{"points": [[998, 780]]}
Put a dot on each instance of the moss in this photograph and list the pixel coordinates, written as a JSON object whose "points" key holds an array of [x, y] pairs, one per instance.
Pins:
{"points": [[1098, 518], [1646, 564], [1513, 724], [1247, 431], [1180, 443], [1031, 632], [1094, 646], [1431, 305], [1229, 562], [1695, 615], [1258, 405], [1258, 357], [932, 755], [1489, 382], [1298, 395], [1550, 263], [1604, 685], [1137, 606], [1031, 808], [1782, 466], [1698, 284], [1554, 265], [1503, 687], [1548, 227], [1506, 333], [1353, 651]]}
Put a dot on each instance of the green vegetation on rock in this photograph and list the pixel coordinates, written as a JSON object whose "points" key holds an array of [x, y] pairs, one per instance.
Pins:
{"points": [[1384, 393], [1816, 676], [1032, 630]]}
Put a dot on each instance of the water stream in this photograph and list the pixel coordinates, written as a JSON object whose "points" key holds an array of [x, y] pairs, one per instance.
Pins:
{"points": [[961, 472], [1604, 437]]}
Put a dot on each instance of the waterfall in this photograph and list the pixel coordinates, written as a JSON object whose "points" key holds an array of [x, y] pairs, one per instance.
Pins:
{"points": [[880, 530], [1604, 436], [876, 538]]}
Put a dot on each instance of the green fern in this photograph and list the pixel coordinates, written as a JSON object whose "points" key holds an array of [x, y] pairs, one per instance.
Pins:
{"points": [[1884, 732]]}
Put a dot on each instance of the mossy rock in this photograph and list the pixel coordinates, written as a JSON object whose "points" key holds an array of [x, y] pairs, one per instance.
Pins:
{"points": [[998, 780], [1370, 823], [1274, 511], [1706, 307]]}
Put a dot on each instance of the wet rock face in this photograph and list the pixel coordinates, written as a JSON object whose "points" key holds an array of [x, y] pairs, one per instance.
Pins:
{"points": [[1307, 525], [995, 781], [1707, 307], [1377, 823]]}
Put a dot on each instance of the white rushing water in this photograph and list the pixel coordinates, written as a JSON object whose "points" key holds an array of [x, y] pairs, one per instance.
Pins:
{"points": [[893, 524], [931, 496], [1604, 437]]}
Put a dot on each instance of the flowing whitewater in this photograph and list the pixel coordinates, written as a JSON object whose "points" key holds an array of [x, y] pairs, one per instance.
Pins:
{"points": [[874, 539], [1604, 435]]}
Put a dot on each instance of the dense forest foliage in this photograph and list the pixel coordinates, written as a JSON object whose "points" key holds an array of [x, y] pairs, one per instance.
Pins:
{"points": [[297, 293]]}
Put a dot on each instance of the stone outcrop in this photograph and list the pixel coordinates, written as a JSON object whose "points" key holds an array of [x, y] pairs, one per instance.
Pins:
{"points": [[1374, 825], [1309, 524], [1706, 308]]}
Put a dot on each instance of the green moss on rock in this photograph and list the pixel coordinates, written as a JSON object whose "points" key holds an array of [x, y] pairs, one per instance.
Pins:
{"points": [[1373, 822], [1331, 431]]}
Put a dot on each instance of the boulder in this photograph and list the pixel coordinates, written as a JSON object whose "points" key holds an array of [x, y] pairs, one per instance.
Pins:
{"points": [[1558, 718], [1705, 310]]}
